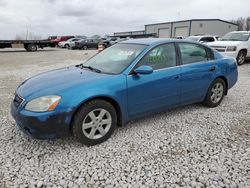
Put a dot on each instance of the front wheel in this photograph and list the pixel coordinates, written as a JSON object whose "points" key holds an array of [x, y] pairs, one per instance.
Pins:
{"points": [[94, 122], [241, 57], [215, 93], [67, 46]]}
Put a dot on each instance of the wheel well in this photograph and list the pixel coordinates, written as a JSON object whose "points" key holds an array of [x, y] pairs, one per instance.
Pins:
{"points": [[108, 99], [225, 80], [244, 50]]}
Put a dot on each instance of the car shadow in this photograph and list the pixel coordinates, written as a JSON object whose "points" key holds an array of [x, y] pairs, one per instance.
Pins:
{"points": [[139, 122]]}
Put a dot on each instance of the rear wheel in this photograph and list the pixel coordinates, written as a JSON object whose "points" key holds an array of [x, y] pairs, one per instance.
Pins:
{"points": [[31, 48], [215, 93], [95, 122], [85, 47], [241, 57]]}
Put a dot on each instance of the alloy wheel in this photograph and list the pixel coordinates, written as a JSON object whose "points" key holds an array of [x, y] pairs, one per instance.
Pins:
{"points": [[97, 123], [241, 58], [217, 92]]}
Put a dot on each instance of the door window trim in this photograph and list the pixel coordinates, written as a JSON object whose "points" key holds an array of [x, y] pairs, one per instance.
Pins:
{"points": [[204, 47], [131, 72]]}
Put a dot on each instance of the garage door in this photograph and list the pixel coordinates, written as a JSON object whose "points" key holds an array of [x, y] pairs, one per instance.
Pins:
{"points": [[164, 33], [181, 31]]}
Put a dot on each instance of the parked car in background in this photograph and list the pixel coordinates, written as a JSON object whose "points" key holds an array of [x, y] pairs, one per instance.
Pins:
{"points": [[68, 43], [235, 44], [203, 38], [178, 37], [109, 42], [85, 44], [131, 79], [62, 38]]}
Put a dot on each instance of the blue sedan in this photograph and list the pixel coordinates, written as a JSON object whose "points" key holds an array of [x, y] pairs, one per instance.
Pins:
{"points": [[129, 80]]}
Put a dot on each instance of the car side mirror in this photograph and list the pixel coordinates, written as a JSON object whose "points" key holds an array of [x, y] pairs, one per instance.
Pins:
{"points": [[144, 69]]}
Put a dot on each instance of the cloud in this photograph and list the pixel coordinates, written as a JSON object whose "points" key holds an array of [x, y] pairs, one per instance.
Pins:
{"points": [[75, 11], [88, 17], [3, 3]]}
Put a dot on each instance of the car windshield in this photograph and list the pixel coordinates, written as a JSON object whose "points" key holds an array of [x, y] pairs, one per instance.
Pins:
{"points": [[242, 36], [193, 38], [115, 59]]}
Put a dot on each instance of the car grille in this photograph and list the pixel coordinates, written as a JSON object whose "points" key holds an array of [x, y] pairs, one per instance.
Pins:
{"points": [[219, 48], [17, 100]]}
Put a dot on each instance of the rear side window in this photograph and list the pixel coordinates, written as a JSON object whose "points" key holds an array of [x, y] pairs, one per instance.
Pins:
{"points": [[192, 53], [160, 57]]}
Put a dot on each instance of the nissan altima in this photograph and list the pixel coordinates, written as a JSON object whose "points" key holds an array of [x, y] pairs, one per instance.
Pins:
{"points": [[129, 80]]}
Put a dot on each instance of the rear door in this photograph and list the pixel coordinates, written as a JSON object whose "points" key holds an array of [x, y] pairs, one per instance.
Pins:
{"points": [[197, 71], [161, 89]]}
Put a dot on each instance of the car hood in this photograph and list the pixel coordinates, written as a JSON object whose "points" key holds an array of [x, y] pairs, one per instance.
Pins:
{"points": [[56, 81], [224, 43]]}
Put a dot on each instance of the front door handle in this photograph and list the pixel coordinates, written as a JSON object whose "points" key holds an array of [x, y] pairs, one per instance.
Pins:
{"points": [[211, 69], [176, 77]]}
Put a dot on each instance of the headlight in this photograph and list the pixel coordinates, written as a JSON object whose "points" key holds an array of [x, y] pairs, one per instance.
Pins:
{"points": [[231, 48], [43, 104]]}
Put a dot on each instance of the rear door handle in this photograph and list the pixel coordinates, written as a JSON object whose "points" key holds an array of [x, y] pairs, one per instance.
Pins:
{"points": [[212, 68]]}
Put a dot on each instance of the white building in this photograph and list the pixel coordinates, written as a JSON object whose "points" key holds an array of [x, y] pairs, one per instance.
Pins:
{"points": [[184, 28]]}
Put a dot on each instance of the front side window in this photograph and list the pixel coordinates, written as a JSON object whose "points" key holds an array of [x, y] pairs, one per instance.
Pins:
{"points": [[192, 53], [161, 57]]}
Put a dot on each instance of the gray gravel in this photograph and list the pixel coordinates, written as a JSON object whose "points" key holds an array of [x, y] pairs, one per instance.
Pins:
{"points": [[191, 146]]}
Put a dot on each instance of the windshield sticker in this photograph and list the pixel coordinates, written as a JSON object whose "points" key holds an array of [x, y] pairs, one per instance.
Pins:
{"points": [[127, 53]]}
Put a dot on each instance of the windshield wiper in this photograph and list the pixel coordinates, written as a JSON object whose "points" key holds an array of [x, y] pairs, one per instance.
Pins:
{"points": [[89, 67]]}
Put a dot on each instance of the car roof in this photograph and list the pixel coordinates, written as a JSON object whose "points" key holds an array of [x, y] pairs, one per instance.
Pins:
{"points": [[150, 41], [198, 36], [157, 41], [240, 32]]}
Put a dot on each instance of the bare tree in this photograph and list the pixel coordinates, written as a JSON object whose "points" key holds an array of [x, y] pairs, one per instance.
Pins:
{"points": [[248, 23], [241, 23], [33, 36], [28, 36], [20, 36]]}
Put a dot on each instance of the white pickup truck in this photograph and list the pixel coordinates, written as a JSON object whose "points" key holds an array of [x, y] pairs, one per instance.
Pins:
{"points": [[235, 44]]}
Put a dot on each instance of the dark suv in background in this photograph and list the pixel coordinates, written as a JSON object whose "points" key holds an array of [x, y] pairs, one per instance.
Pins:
{"points": [[85, 44]]}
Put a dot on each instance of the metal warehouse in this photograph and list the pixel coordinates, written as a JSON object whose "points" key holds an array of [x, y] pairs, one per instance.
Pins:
{"points": [[183, 28]]}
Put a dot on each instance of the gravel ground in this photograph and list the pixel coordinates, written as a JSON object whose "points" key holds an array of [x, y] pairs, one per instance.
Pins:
{"points": [[191, 146]]}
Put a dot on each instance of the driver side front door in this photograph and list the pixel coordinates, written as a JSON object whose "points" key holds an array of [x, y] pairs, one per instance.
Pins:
{"points": [[149, 93]]}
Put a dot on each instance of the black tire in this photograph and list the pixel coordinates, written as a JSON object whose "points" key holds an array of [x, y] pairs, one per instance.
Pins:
{"points": [[67, 46], [241, 57], [85, 47], [209, 102], [31, 48], [83, 113]]}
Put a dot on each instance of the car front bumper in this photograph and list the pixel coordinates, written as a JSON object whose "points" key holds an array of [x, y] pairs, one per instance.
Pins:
{"points": [[60, 45], [45, 125]]}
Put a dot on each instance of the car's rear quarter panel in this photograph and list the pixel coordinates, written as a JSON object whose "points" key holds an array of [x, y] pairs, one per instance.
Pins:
{"points": [[227, 67]]}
